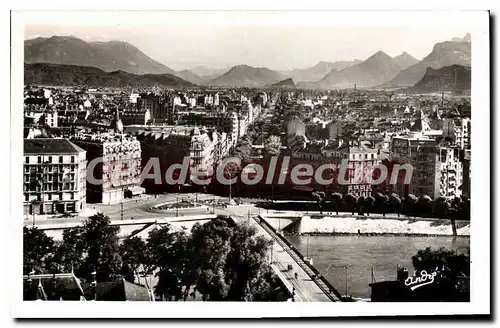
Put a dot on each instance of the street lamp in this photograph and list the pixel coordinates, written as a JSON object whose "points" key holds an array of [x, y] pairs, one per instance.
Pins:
{"points": [[345, 267]]}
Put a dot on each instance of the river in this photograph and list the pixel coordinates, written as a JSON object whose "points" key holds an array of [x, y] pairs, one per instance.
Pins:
{"points": [[360, 254]]}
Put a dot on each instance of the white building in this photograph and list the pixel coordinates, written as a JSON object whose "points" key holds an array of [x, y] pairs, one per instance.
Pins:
{"points": [[462, 133], [55, 174]]}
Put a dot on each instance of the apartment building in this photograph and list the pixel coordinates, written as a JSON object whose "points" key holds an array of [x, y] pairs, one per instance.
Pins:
{"points": [[462, 133], [54, 176], [360, 158], [421, 153], [117, 159], [450, 171], [171, 144]]}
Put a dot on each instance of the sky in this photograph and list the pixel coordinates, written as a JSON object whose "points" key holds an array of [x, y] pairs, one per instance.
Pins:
{"points": [[183, 46]]}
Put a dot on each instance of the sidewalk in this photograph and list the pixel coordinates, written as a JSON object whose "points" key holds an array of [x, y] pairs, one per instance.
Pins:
{"points": [[85, 213]]}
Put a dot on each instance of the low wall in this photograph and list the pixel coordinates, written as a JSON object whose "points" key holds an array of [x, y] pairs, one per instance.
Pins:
{"points": [[382, 226]]}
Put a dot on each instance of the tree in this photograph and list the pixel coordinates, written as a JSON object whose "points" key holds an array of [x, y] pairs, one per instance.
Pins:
{"points": [[246, 265], [368, 204], [38, 251], [336, 198], [452, 268], [351, 201], [165, 257], [272, 146], [102, 251], [132, 252], [92, 247], [456, 207], [381, 201], [361, 204], [320, 197], [409, 204], [424, 205], [395, 202], [441, 207], [465, 208], [232, 262], [211, 242], [70, 250]]}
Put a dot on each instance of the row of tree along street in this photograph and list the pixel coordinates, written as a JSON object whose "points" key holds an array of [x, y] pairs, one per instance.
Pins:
{"points": [[219, 260], [441, 207]]}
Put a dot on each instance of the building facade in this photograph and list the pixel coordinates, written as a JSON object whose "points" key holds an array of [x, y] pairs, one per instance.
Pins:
{"points": [[421, 153], [116, 159], [54, 176]]}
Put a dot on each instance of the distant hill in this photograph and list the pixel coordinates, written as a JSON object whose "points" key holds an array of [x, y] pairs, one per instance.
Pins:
{"points": [[189, 76], [319, 70], [287, 83], [455, 78], [108, 56], [207, 73], [443, 54], [248, 76], [405, 60], [52, 74], [377, 69]]}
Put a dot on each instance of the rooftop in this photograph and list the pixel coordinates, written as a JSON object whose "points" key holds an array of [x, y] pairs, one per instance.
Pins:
{"points": [[103, 137], [50, 146]]}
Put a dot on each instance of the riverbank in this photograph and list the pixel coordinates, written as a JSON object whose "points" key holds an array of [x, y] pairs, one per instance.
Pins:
{"points": [[377, 227]]}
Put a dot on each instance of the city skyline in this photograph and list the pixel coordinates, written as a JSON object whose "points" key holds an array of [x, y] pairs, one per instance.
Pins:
{"points": [[274, 47]]}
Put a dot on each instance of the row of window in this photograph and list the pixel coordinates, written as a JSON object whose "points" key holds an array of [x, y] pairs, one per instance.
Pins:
{"points": [[354, 156], [50, 179], [49, 187], [49, 160], [49, 169], [49, 197]]}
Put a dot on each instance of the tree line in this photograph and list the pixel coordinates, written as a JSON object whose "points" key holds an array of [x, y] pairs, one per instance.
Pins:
{"points": [[219, 260], [457, 208]]}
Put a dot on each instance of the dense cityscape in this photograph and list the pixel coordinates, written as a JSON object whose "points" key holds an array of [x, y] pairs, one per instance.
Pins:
{"points": [[243, 185]]}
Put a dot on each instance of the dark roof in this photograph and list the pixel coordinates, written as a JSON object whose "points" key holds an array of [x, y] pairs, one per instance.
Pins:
{"points": [[119, 290], [50, 146], [52, 287]]}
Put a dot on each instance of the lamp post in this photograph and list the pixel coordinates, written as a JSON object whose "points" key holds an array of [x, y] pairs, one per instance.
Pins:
{"points": [[345, 267]]}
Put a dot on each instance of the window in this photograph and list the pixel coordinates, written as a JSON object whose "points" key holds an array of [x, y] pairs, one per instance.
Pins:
{"points": [[39, 159], [27, 159], [72, 159], [50, 196], [60, 159], [50, 159], [26, 169]]}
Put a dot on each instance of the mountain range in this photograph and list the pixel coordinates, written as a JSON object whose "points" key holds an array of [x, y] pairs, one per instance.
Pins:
{"points": [[208, 73], [443, 54], [53, 74], [248, 76], [454, 78], [319, 70], [377, 69], [287, 83], [108, 56], [128, 64]]}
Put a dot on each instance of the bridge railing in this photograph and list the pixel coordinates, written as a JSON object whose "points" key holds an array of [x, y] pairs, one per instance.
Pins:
{"points": [[330, 289]]}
